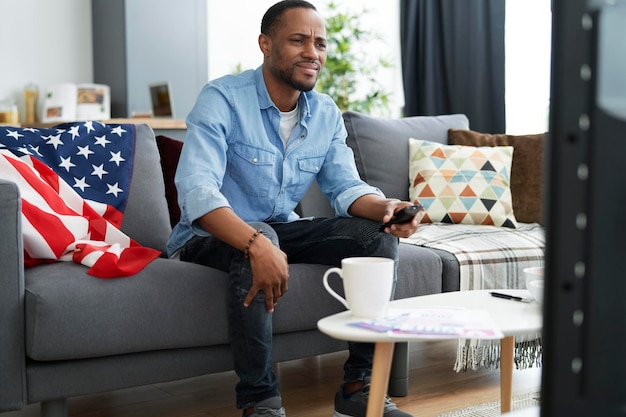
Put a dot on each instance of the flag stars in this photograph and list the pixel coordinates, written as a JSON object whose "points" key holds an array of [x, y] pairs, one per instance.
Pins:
{"points": [[24, 150], [118, 131], [99, 171], [14, 134], [74, 131], [102, 141], [89, 126], [114, 189], [117, 158], [66, 163], [53, 140], [35, 149], [81, 183], [84, 151], [90, 156]]}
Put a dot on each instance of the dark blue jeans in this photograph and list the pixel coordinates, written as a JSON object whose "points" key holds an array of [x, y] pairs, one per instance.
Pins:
{"points": [[317, 241]]}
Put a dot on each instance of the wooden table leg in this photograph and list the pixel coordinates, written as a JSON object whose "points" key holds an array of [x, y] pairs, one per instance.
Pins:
{"points": [[507, 347], [383, 353]]}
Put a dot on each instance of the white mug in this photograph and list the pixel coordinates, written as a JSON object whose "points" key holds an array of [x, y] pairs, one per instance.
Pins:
{"points": [[367, 283]]}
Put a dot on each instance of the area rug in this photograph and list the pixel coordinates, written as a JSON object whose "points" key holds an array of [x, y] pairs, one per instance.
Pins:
{"points": [[518, 402]]}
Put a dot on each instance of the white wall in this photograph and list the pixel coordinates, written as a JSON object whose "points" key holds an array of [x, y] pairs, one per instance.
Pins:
{"points": [[49, 42], [158, 51], [44, 42]]}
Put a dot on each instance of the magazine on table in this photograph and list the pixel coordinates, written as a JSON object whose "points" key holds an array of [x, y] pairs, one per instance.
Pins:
{"points": [[436, 322]]}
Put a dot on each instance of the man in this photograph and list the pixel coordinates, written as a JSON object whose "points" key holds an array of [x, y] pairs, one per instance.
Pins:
{"points": [[255, 143]]}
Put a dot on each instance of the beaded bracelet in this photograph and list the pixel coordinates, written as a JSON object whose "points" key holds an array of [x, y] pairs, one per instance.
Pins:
{"points": [[246, 253]]}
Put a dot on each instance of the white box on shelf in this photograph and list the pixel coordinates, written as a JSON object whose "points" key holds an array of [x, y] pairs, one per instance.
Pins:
{"points": [[69, 102]]}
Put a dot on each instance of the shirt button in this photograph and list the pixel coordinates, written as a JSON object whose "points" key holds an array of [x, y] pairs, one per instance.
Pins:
{"points": [[254, 160]]}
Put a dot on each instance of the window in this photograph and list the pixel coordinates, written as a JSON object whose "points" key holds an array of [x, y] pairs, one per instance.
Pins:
{"points": [[527, 65]]}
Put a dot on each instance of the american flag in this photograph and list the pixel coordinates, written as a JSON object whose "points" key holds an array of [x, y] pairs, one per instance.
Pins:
{"points": [[74, 181]]}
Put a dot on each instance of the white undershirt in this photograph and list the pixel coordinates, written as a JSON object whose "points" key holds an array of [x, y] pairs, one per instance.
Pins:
{"points": [[288, 122]]}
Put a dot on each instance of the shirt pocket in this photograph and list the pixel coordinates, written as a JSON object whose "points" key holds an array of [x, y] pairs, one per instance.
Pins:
{"points": [[308, 167], [253, 169]]}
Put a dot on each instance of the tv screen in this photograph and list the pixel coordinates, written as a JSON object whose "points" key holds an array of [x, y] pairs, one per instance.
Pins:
{"points": [[584, 339]]}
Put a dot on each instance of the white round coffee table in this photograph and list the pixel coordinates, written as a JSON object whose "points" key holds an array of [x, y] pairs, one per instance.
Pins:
{"points": [[513, 318]]}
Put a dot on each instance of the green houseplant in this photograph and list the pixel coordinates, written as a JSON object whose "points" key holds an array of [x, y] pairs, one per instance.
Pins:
{"points": [[349, 75]]}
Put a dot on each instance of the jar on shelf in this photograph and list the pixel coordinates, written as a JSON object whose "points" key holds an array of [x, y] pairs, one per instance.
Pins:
{"points": [[31, 94], [8, 111]]}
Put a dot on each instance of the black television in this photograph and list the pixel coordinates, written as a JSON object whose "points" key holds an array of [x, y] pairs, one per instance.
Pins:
{"points": [[584, 338]]}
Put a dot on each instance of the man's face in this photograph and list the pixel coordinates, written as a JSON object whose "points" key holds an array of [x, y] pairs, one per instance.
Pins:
{"points": [[297, 51]]}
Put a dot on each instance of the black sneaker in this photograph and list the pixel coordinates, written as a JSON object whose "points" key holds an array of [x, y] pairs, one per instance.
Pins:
{"points": [[270, 407], [355, 405]]}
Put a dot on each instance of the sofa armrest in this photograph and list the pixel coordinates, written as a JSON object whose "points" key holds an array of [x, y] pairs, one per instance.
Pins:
{"points": [[12, 356]]}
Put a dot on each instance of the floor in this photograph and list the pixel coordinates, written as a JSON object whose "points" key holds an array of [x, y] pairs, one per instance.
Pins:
{"points": [[308, 387]]}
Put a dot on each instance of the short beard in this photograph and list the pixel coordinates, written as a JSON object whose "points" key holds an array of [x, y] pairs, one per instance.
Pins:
{"points": [[287, 76]]}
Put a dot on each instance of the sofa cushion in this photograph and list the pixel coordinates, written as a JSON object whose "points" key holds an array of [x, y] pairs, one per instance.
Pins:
{"points": [[526, 170], [381, 146], [146, 218], [462, 184], [70, 315], [420, 272], [172, 304]]}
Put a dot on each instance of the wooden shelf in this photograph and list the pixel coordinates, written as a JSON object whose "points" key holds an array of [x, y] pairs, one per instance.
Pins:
{"points": [[153, 122]]}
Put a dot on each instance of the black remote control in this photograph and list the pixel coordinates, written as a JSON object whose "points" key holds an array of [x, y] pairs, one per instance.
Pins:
{"points": [[405, 215]]}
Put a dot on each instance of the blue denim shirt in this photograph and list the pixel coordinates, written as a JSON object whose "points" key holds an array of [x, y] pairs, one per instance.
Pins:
{"points": [[233, 156]]}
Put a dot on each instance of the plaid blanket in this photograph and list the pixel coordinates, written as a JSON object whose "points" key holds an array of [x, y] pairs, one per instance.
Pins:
{"points": [[489, 257]]}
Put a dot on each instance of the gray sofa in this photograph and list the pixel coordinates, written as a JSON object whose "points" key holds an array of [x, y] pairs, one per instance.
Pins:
{"points": [[65, 333]]}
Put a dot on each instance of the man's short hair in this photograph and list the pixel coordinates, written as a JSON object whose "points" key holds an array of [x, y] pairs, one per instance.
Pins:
{"points": [[271, 18]]}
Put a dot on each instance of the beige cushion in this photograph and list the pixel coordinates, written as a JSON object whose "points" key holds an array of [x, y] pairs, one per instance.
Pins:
{"points": [[462, 184]]}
